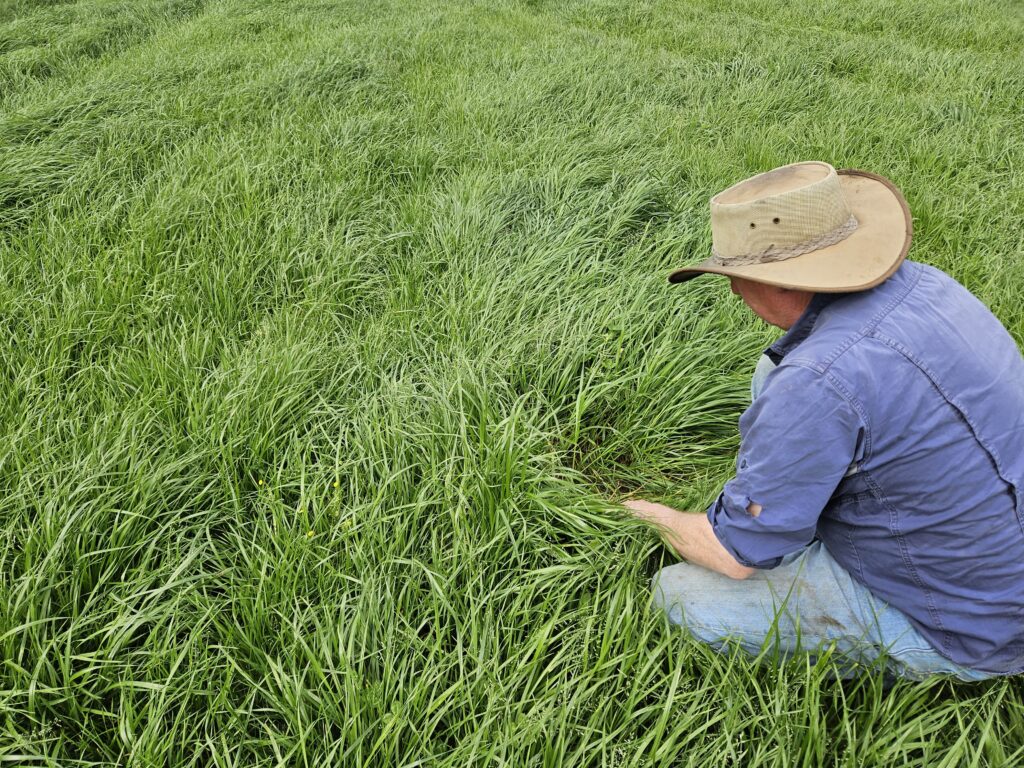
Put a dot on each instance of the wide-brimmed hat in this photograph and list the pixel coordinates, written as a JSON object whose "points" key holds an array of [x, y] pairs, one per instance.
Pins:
{"points": [[808, 227]]}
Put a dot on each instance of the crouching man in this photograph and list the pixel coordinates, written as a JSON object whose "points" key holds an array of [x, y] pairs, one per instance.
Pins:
{"points": [[877, 505]]}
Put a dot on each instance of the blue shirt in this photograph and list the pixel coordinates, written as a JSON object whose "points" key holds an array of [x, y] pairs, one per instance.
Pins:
{"points": [[893, 430]]}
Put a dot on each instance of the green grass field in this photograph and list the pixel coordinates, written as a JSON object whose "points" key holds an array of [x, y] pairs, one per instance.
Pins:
{"points": [[333, 331]]}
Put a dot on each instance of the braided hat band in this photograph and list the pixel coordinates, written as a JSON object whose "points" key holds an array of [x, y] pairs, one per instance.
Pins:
{"points": [[776, 253]]}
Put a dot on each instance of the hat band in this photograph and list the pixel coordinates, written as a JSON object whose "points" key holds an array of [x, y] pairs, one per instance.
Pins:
{"points": [[773, 253]]}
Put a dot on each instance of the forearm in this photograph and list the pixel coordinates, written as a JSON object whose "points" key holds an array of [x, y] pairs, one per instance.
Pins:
{"points": [[691, 536]]}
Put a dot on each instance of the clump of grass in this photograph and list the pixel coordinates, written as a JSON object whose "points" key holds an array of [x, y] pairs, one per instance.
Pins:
{"points": [[335, 329]]}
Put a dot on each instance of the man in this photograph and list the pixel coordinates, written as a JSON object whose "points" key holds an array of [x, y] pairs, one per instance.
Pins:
{"points": [[877, 506]]}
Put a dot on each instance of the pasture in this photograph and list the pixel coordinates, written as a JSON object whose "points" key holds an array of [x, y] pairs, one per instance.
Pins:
{"points": [[335, 329]]}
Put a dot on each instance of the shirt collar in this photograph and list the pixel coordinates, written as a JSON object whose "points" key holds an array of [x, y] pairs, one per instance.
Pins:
{"points": [[802, 328]]}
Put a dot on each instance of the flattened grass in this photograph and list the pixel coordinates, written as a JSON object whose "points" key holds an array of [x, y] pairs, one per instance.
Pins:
{"points": [[334, 328]]}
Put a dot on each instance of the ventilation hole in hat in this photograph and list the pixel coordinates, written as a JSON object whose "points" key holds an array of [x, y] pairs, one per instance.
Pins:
{"points": [[752, 225], [775, 220]]}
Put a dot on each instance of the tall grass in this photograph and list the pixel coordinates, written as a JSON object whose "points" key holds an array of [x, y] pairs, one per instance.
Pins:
{"points": [[334, 330]]}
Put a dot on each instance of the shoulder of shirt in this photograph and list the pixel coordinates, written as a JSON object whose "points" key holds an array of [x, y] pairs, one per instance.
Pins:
{"points": [[847, 321]]}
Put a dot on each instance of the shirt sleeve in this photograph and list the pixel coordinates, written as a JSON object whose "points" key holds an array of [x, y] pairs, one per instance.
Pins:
{"points": [[797, 440]]}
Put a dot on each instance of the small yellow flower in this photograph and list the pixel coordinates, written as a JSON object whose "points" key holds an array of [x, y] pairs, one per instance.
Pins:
{"points": [[309, 534], [337, 484], [259, 482]]}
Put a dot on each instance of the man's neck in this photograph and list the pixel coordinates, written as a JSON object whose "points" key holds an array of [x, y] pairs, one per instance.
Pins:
{"points": [[796, 304]]}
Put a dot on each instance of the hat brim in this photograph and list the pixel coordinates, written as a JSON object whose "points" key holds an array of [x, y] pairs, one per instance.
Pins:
{"points": [[867, 257]]}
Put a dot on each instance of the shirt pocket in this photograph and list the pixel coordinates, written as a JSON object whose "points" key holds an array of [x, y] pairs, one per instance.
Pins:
{"points": [[854, 483], [854, 504]]}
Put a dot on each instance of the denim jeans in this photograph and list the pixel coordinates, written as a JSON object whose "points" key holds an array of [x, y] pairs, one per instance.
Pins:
{"points": [[807, 603]]}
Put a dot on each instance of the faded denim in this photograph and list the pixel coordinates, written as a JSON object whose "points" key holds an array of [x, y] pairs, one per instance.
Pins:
{"points": [[806, 604]]}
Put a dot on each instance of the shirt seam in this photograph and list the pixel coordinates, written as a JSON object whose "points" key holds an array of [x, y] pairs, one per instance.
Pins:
{"points": [[894, 527], [900, 349], [846, 394], [825, 363], [894, 302], [855, 553]]}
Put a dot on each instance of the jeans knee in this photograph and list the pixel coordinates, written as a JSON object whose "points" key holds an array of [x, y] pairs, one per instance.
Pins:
{"points": [[676, 590]]}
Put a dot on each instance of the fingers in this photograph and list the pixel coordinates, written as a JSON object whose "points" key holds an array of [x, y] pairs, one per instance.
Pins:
{"points": [[645, 509]]}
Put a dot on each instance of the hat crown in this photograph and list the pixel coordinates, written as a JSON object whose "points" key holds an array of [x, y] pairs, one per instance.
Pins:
{"points": [[780, 214]]}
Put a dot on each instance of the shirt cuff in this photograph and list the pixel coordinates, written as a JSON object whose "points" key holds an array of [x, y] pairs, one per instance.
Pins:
{"points": [[719, 519]]}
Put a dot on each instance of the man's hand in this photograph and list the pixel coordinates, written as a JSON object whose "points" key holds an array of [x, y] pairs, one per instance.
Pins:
{"points": [[690, 535]]}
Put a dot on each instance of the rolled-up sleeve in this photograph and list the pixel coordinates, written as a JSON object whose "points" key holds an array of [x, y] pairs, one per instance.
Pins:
{"points": [[797, 440]]}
